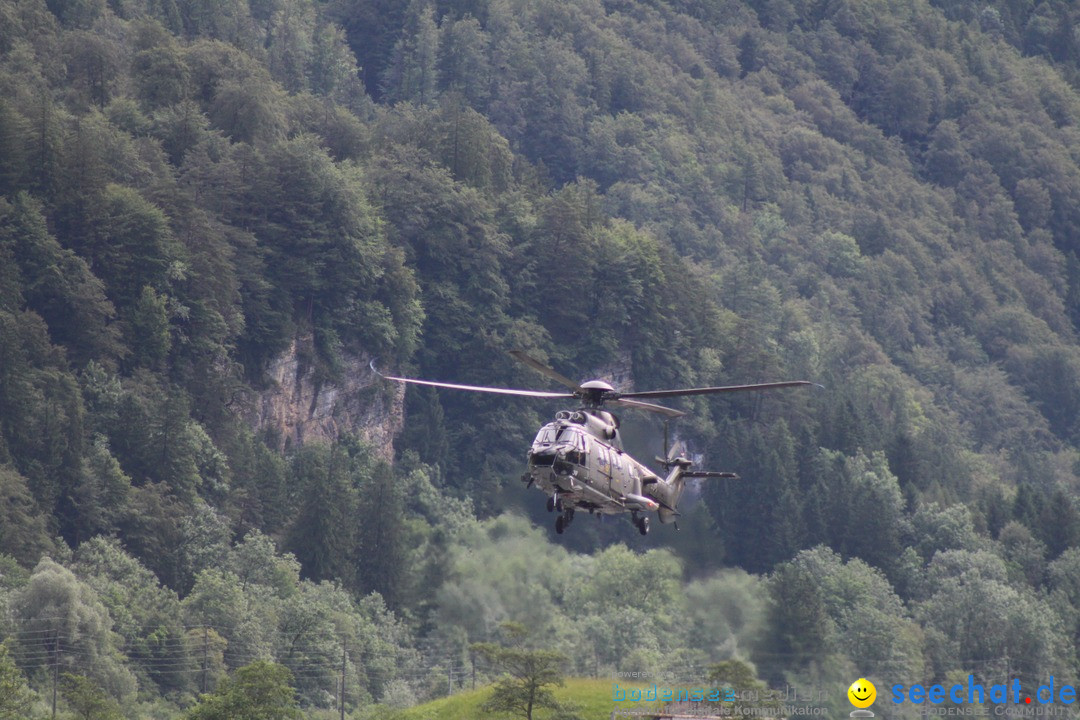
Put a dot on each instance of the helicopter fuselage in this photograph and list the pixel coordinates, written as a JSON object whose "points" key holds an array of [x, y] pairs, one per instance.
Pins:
{"points": [[578, 460]]}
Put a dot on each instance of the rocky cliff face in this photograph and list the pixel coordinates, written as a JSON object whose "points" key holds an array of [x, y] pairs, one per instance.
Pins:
{"points": [[297, 408], [619, 372]]}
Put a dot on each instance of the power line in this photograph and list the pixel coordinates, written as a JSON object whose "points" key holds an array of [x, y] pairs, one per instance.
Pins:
{"points": [[185, 657]]}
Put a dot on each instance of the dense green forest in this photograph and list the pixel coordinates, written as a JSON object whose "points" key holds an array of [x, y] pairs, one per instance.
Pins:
{"points": [[215, 213]]}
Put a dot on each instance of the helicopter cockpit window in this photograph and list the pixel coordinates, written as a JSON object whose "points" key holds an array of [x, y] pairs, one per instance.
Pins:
{"points": [[545, 436], [575, 441]]}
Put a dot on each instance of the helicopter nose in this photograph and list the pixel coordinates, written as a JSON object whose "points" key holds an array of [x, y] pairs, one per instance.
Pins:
{"points": [[543, 458], [562, 466]]}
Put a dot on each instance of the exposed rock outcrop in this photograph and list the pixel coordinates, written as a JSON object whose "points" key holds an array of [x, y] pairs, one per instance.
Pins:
{"points": [[298, 408], [618, 372]]}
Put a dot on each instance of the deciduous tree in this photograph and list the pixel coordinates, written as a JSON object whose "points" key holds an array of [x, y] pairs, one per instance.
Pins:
{"points": [[528, 674], [259, 691]]}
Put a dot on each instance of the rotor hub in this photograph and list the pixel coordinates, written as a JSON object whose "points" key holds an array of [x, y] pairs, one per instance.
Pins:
{"points": [[595, 392]]}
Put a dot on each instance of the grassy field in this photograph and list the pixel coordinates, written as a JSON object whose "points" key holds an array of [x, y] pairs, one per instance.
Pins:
{"points": [[592, 698]]}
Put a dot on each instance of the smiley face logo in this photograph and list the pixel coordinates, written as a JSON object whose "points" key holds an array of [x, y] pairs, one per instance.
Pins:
{"points": [[862, 693]]}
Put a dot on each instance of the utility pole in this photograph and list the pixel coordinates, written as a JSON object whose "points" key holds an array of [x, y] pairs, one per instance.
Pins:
{"points": [[205, 652], [56, 669], [341, 701]]}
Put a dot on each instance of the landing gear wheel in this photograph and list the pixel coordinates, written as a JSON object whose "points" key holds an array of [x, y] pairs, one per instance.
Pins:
{"points": [[558, 504], [551, 504], [560, 525], [568, 516], [643, 526]]}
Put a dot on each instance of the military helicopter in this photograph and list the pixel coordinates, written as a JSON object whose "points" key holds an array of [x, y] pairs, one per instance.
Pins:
{"points": [[578, 458]]}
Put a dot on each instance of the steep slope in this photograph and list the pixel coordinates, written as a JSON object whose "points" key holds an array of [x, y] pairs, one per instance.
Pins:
{"points": [[212, 215]]}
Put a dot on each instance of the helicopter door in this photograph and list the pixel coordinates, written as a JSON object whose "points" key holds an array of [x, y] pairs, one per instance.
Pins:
{"points": [[618, 478], [603, 463], [628, 479]]}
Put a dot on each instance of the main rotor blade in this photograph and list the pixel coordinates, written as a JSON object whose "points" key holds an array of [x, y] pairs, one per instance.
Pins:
{"points": [[544, 370], [477, 388], [658, 409], [711, 390]]}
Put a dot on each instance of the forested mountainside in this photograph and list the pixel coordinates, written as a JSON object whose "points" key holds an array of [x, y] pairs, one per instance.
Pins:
{"points": [[214, 215]]}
